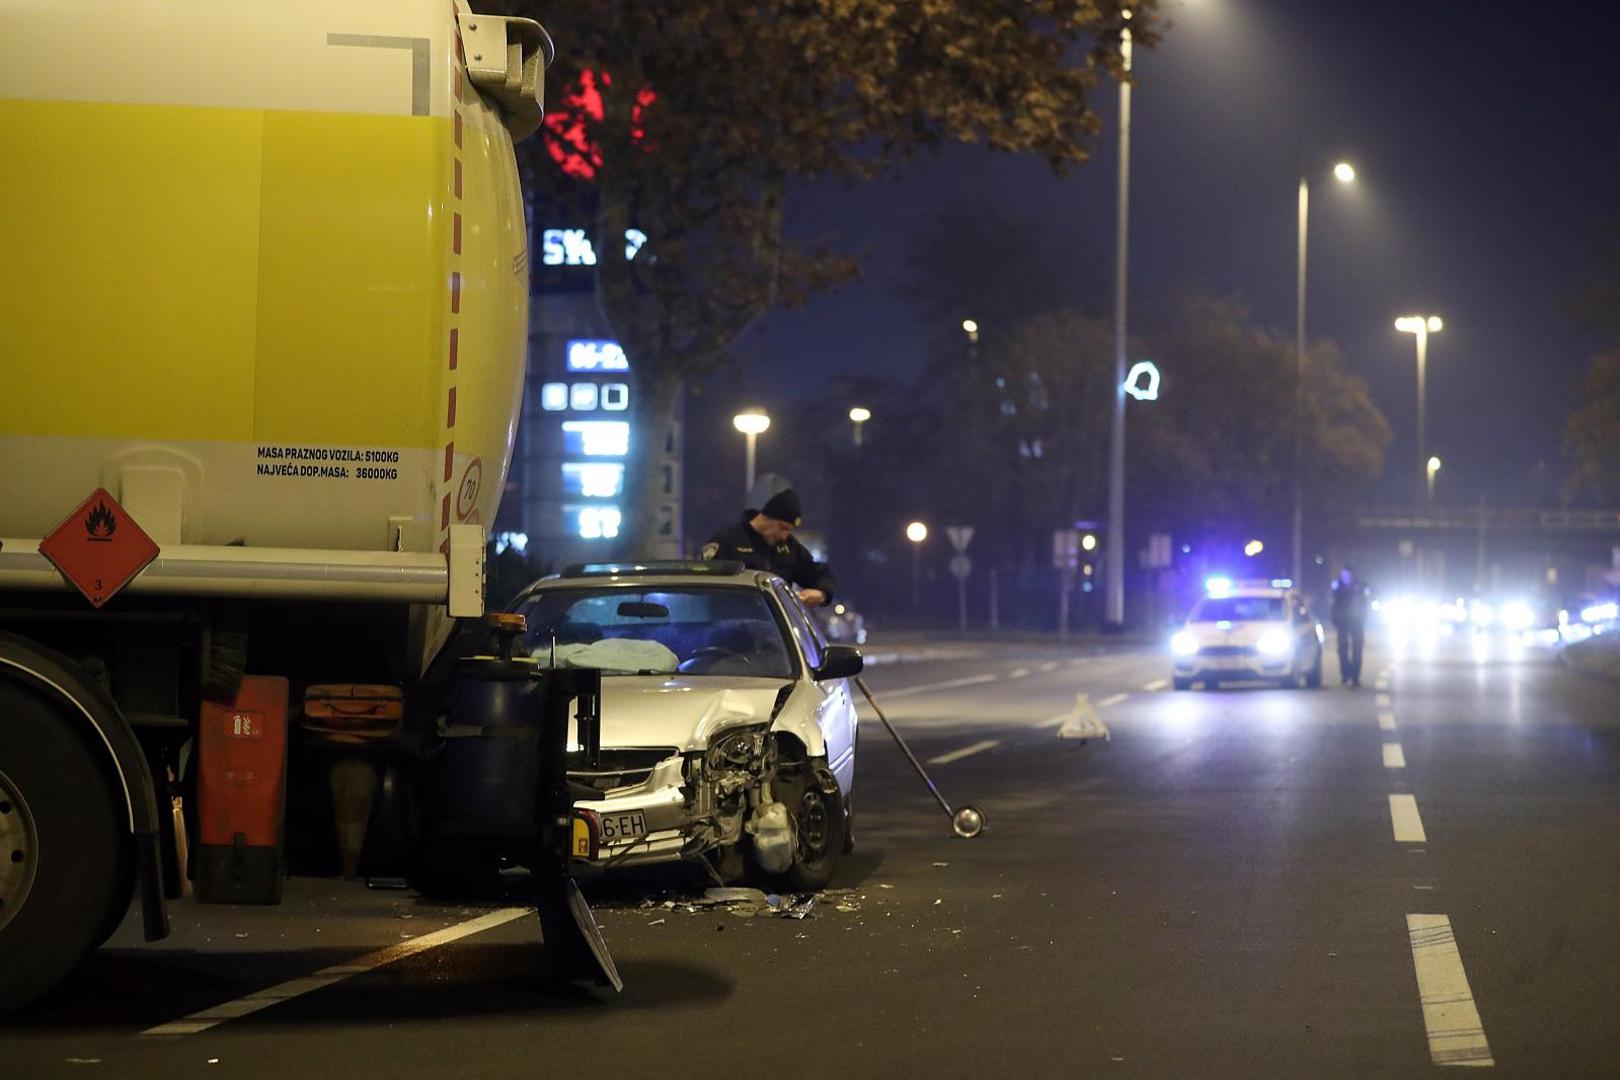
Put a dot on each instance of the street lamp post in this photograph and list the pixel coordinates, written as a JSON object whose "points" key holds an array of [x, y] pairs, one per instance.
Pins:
{"points": [[1344, 173], [752, 424], [1421, 326], [858, 416], [1114, 580], [916, 532]]}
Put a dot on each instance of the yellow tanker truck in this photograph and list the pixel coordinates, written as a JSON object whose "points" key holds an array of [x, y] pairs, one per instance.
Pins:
{"points": [[264, 279]]}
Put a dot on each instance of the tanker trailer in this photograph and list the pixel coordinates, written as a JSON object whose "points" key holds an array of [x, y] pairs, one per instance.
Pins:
{"points": [[265, 285]]}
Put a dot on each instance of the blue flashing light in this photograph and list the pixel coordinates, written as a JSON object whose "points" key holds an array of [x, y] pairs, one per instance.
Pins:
{"points": [[1282, 583]]}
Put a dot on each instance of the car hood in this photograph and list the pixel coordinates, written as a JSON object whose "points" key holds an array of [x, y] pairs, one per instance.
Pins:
{"points": [[1243, 633], [656, 710]]}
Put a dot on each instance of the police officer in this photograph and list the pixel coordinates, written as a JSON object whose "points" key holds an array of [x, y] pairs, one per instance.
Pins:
{"points": [[1350, 603], [763, 540]]}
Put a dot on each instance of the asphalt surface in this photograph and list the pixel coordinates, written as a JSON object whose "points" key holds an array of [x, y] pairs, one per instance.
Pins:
{"points": [[1217, 890]]}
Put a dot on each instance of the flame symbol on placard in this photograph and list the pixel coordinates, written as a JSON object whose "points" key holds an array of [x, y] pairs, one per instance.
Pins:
{"points": [[100, 523]]}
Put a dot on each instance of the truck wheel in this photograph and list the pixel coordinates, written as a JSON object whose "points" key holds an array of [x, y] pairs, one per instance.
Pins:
{"points": [[60, 841]]}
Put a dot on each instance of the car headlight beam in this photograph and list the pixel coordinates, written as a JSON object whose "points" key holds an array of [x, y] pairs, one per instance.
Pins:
{"points": [[1184, 643]]}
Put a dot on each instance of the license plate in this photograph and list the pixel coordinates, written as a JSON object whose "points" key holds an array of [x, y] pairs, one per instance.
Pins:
{"points": [[1231, 663], [618, 827]]}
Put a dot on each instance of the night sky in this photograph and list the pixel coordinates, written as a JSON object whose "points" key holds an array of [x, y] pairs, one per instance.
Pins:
{"points": [[1486, 139]]}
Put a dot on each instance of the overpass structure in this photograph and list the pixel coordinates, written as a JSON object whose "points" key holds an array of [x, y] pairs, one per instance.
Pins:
{"points": [[1489, 549]]}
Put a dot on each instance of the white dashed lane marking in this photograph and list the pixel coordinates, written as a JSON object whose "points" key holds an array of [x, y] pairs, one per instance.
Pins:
{"points": [[1456, 1033], [966, 751], [1112, 699], [1156, 684], [1386, 721], [929, 688], [1394, 756], [1403, 816]]}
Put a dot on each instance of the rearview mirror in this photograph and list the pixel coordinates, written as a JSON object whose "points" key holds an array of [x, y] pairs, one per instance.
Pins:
{"points": [[840, 662], [637, 609]]}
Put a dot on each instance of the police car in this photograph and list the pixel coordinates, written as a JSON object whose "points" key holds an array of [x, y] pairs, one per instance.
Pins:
{"points": [[1244, 631]]}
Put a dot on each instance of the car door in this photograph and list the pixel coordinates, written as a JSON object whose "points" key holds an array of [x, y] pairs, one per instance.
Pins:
{"points": [[835, 707]]}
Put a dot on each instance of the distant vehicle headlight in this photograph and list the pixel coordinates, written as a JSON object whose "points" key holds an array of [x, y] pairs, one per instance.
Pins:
{"points": [[1599, 613], [1482, 614], [1275, 643], [1517, 616], [1184, 644]]}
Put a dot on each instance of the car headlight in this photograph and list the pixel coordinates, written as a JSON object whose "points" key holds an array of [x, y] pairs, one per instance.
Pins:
{"points": [[1275, 643], [1184, 643], [1517, 616]]}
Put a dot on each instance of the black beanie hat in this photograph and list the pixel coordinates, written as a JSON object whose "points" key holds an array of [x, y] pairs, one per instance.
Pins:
{"points": [[783, 506]]}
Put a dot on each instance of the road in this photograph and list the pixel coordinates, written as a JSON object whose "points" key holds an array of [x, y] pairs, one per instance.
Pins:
{"points": [[1245, 883]]}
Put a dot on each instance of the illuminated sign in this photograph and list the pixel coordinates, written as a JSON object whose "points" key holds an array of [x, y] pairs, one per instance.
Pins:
{"points": [[572, 247], [1143, 381], [596, 355], [596, 438], [584, 397], [595, 522], [593, 480]]}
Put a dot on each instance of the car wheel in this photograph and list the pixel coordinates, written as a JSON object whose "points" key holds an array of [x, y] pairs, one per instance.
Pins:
{"points": [[60, 833], [819, 824], [1181, 684]]}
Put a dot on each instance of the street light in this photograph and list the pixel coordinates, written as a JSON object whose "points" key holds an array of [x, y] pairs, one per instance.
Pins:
{"points": [[858, 416], [1114, 582], [916, 532], [1421, 326], [971, 329], [1344, 173], [752, 424], [1434, 467]]}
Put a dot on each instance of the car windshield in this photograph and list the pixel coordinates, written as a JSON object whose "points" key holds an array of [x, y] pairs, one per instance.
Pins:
{"points": [[690, 631], [1238, 609]]}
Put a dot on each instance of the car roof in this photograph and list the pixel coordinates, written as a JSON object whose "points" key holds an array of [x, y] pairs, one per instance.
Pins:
{"points": [[654, 575]]}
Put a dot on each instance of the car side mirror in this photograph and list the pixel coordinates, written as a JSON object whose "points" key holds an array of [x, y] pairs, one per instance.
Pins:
{"points": [[840, 662]]}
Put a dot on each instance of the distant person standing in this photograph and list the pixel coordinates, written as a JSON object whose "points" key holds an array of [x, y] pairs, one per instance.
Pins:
{"points": [[763, 540], [1349, 624]]}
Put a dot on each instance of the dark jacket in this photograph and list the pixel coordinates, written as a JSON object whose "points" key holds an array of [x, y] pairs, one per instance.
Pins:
{"points": [[789, 560], [1350, 602]]}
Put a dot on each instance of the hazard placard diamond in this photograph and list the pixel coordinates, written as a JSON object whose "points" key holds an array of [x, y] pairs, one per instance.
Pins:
{"points": [[99, 548]]}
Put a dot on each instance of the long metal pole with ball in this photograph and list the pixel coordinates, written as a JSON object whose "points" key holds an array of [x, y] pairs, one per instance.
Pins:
{"points": [[967, 821]]}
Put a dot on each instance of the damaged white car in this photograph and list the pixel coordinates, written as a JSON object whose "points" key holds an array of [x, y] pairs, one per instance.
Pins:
{"points": [[728, 726]]}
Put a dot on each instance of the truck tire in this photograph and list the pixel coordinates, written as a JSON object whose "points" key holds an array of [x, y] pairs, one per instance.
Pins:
{"points": [[60, 848]]}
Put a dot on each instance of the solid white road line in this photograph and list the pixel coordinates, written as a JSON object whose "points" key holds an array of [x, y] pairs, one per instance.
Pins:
{"points": [[1111, 699], [1403, 815], [966, 751], [1394, 756], [1156, 684], [1456, 1033], [928, 688], [263, 999], [1386, 721]]}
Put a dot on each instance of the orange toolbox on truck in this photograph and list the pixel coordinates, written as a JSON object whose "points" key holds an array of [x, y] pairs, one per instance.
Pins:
{"points": [[242, 794]]}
